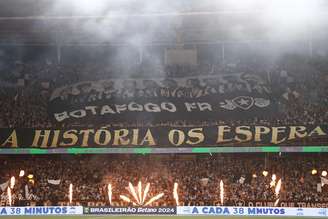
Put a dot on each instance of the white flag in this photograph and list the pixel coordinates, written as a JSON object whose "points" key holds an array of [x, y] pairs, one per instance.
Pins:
{"points": [[242, 180], [324, 181], [54, 182], [26, 192], [204, 181], [286, 95], [319, 187], [16, 97]]}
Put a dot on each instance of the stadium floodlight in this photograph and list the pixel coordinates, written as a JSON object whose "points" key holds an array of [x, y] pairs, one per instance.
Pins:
{"points": [[314, 172], [324, 173], [265, 173]]}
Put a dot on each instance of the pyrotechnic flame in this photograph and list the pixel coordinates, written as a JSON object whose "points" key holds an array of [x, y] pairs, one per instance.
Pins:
{"points": [[276, 203], [70, 193], [277, 191], [109, 190], [12, 182], [145, 193], [278, 187], [221, 192], [140, 192], [138, 195], [9, 196], [126, 199], [175, 193], [155, 198], [133, 192], [273, 180], [272, 184]]}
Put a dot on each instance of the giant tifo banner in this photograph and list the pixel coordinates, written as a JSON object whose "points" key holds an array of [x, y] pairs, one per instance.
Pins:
{"points": [[239, 95], [161, 136]]}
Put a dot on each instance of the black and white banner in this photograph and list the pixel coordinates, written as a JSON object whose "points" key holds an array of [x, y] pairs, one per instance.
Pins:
{"points": [[161, 136], [163, 99]]}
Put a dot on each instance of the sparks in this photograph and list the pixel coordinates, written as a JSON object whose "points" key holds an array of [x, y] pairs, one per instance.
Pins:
{"points": [[126, 199], [278, 187], [273, 180], [140, 192], [221, 192], [175, 193], [133, 192], [12, 182], [155, 198], [272, 184], [277, 191], [9, 196], [70, 193], [109, 190], [276, 202], [139, 196], [145, 193]]}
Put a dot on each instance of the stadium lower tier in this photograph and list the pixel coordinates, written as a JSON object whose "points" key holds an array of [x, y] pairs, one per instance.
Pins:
{"points": [[282, 180]]}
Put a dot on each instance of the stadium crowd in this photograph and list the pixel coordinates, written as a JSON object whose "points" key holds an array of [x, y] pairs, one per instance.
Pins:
{"points": [[295, 83], [198, 178]]}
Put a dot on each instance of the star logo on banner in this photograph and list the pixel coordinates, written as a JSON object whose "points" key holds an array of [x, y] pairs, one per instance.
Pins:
{"points": [[243, 102]]}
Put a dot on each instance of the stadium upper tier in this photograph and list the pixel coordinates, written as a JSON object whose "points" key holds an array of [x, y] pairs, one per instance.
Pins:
{"points": [[248, 180], [90, 91]]}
